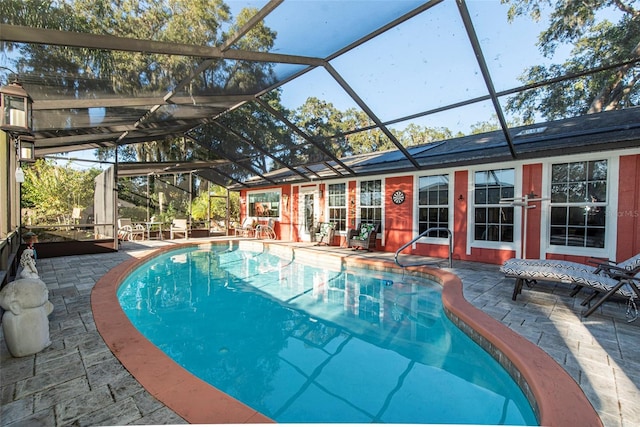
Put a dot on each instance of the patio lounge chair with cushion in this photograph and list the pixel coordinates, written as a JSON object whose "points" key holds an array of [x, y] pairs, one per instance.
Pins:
{"points": [[179, 226], [325, 234], [364, 237], [528, 271], [619, 282]]}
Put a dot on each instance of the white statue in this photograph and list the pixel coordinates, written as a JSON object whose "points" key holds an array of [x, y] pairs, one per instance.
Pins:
{"points": [[25, 323], [28, 264]]}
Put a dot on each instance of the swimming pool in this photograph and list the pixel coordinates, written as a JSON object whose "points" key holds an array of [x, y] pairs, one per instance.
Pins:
{"points": [[303, 344]]}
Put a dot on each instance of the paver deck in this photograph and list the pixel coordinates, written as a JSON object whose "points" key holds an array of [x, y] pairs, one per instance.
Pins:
{"points": [[78, 381]]}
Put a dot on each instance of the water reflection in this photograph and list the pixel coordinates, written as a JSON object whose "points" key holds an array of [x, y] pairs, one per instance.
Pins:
{"points": [[306, 344]]}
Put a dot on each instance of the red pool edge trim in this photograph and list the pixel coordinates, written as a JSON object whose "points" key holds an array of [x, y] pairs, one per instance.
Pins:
{"points": [[193, 399], [555, 397]]}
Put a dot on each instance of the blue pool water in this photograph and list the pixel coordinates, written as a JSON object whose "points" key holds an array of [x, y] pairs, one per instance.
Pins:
{"points": [[302, 341]]}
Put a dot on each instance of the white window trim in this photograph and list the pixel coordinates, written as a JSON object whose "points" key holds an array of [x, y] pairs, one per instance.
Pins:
{"points": [[265, 190], [516, 245], [611, 224], [416, 209], [383, 206], [326, 205]]}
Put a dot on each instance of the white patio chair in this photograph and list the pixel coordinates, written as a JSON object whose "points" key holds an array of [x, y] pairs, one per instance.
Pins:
{"points": [[179, 226], [127, 230]]}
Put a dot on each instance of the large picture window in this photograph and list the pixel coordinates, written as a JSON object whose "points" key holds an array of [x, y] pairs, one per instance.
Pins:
{"points": [[371, 201], [265, 204], [433, 204], [578, 204], [337, 202], [493, 221]]}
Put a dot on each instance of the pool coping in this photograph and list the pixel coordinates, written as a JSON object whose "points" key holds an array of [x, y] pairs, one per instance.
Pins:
{"points": [[555, 397]]}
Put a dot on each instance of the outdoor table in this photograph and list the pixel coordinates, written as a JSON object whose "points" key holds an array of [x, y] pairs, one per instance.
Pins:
{"points": [[149, 225]]}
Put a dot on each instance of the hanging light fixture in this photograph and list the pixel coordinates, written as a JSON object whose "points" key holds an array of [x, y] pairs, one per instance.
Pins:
{"points": [[16, 120], [16, 108], [25, 148]]}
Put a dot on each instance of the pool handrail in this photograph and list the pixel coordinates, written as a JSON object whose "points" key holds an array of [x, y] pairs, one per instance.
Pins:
{"points": [[427, 231]]}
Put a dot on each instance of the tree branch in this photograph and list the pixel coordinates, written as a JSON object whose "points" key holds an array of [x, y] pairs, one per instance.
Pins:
{"points": [[626, 8]]}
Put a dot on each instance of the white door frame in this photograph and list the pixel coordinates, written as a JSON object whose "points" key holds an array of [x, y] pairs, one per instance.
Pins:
{"points": [[308, 211]]}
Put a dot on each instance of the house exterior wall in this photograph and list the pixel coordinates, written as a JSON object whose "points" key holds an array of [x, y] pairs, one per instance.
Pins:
{"points": [[628, 237], [398, 227], [400, 222], [532, 184]]}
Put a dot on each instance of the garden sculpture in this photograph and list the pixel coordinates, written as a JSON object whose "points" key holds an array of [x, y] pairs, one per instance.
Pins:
{"points": [[25, 323]]}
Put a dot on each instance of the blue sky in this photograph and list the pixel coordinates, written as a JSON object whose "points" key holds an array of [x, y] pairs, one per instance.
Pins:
{"points": [[423, 64], [426, 63]]}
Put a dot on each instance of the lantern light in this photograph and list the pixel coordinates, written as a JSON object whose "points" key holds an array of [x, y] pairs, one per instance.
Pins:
{"points": [[25, 148], [15, 108]]}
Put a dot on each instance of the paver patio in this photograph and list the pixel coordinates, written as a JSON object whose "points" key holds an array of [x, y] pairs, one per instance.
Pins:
{"points": [[77, 380]]}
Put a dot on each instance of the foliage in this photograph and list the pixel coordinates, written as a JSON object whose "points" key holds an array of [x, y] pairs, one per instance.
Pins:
{"points": [[595, 44], [136, 213], [50, 192], [216, 201], [252, 139]]}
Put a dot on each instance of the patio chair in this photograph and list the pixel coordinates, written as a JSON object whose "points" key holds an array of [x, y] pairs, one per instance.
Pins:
{"points": [[363, 237], [623, 285], [326, 231], [179, 226], [266, 231], [247, 229], [528, 271], [129, 231], [621, 282]]}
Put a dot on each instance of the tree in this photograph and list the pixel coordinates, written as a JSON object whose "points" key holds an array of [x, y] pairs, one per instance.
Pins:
{"points": [[322, 121], [370, 139], [492, 125], [595, 43], [50, 192], [414, 134], [77, 72], [214, 203]]}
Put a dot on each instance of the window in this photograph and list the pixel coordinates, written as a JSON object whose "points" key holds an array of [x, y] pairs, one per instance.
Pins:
{"points": [[433, 204], [338, 205], [265, 205], [371, 201], [578, 204], [493, 221]]}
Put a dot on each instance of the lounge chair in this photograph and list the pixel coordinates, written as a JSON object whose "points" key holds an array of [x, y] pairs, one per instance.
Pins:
{"points": [[179, 226], [611, 279], [325, 234], [595, 265], [528, 271], [364, 237]]}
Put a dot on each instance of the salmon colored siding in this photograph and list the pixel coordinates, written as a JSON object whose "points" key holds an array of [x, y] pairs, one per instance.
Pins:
{"points": [[629, 208], [398, 227], [532, 185], [295, 194], [286, 222], [351, 207], [400, 222], [460, 206]]}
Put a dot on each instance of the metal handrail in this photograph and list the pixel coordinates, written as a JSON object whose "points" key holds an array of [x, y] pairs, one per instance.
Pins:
{"points": [[427, 231]]}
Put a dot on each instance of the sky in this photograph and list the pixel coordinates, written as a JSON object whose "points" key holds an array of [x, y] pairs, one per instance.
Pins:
{"points": [[423, 64]]}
